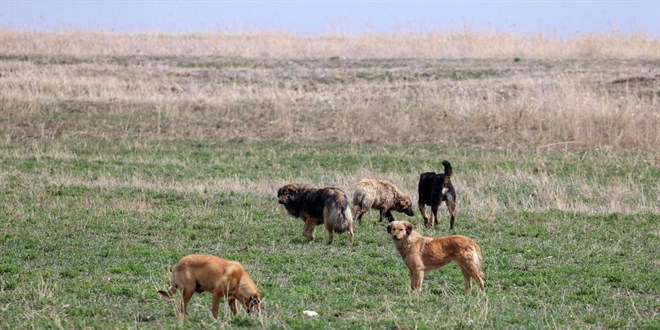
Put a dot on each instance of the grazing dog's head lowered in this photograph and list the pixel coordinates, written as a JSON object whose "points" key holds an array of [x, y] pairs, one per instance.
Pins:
{"points": [[403, 204], [253, 305], [399, 229]]}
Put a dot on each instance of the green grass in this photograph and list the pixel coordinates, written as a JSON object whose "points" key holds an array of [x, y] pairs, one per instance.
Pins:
{"points": [[79, 252]]}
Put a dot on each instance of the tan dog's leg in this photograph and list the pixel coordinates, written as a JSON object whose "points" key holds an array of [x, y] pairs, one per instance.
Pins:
{"points": [[328, 227], [468, 280], [416, 278], [186, 294], [359, 212], [232, 306], [308, 229], [478, 276], [350, 234], [217, 297], [472, 271], [387, 214], [480, 282]]}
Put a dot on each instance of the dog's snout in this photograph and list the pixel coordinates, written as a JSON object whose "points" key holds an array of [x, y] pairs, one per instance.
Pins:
{"points": [[409, 212]]}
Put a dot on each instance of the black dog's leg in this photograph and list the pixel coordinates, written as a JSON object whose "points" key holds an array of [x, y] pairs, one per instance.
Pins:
{"points": [[451, 205], [434, 215], [422, 210]]}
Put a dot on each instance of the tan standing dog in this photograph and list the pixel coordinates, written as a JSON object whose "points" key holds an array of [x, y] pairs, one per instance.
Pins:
{"points": [[380, 195], [422, 254], [222, 278]]}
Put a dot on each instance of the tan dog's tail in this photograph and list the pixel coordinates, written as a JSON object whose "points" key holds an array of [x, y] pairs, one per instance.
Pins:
{"points": [[448, 169], [172, 291], [168, 294], [478, 260]]}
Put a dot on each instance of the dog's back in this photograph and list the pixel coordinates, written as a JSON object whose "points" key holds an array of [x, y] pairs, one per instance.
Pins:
{"points": [[425, 187], [375, 193], [204, 271]]}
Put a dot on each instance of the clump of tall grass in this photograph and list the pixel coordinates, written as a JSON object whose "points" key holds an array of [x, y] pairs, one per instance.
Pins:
{"points": [[453, 44], [458, 88]]}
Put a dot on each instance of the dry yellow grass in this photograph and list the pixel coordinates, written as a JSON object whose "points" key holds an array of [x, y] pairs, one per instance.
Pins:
{"points": [[281, 45], [455, 88]]}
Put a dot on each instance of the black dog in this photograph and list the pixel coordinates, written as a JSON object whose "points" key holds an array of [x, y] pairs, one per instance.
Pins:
{"points": [[434, 188]]}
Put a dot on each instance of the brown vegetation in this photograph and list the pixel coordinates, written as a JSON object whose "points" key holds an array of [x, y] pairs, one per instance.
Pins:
{"points": [[461, 89]]}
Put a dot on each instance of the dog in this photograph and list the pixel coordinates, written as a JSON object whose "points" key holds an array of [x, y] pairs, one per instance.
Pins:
{"points": [[433, 189], [222, 278], [380, 195], [422, 254], [327, 206]]}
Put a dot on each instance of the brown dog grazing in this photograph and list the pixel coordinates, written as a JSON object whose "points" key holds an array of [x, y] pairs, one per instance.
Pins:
{"points": [[222, 278], [422, 254], [380, 195], [433, 189], [327, 206]]}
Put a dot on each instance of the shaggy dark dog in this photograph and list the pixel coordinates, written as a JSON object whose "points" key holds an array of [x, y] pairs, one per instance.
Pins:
{"points": [[435, 188], [327, 206]]}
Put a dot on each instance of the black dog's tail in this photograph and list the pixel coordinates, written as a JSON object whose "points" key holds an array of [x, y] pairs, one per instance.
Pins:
{"points": [[448, 169]]}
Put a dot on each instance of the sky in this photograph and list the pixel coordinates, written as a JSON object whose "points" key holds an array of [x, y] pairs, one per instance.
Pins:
{"points": [[554, 17]]}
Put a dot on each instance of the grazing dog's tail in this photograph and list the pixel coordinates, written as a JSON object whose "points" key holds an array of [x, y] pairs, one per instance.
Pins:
{"points": [[478, 259], [340, 216], [448, 169], [172, 291]]}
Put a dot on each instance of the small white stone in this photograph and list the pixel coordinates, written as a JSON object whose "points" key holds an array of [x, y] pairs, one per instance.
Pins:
{"points": [[310, 314]]}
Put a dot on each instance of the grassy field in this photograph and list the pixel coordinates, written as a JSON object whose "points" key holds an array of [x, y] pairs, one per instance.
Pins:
{"points": [[116, 163]]}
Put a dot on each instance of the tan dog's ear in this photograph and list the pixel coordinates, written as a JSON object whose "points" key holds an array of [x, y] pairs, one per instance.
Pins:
{"points": [[389, 229], [409, 228]]}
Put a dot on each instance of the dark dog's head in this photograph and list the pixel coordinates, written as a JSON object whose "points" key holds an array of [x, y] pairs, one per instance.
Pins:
{"points": [[253, 304], [288, 193], [403, 204], [400, 229]]}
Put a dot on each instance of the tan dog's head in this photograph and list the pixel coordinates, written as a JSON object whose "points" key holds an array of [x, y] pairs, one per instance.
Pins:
{"points": [[400, 229], [404, 204], [253, 305]]}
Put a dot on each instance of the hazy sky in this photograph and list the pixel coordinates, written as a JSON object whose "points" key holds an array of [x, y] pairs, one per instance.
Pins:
{"points": [[564, 18]]}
